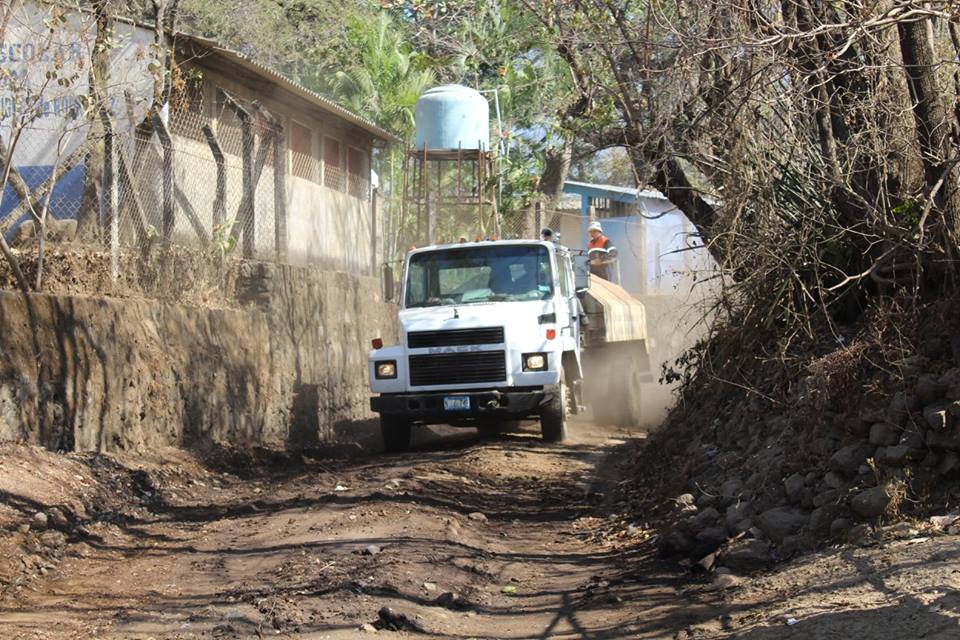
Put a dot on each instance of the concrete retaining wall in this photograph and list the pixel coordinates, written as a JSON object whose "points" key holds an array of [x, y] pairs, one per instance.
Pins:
{"points": [[103, 374]]}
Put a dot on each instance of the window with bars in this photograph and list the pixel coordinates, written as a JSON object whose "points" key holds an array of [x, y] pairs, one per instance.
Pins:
{"points": [[332, 165], [302, 161], [358, 173]]}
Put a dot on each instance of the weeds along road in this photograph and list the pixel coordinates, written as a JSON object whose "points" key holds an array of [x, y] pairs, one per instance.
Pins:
{"points": [[461, 538]]}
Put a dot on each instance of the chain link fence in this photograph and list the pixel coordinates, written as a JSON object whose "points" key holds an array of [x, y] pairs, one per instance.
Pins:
{"points": [[216, 179], [179, 178]]}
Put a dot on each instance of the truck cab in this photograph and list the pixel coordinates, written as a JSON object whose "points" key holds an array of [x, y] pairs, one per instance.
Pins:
{"points": [[490, 335]]}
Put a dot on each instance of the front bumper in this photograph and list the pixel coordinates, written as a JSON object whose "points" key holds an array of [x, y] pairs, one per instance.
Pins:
{"points": [[489, 403]]}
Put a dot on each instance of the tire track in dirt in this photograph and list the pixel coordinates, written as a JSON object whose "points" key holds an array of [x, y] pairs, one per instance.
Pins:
{"points": [[459, 538]]}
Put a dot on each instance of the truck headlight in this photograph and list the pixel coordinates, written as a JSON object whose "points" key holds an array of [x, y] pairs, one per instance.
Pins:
{"points": [[386, 369], [534, 362]]}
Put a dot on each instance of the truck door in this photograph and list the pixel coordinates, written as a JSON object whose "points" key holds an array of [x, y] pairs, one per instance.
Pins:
{"points": [[568, 291]]}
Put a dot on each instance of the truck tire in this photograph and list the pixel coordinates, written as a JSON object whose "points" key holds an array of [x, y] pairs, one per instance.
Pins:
{"points": [[631, 409], [553, 417], [395, 431], [603, 406]]}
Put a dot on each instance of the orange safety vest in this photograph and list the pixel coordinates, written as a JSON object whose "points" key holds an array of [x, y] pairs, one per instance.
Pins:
{"points": [[600, 242]]}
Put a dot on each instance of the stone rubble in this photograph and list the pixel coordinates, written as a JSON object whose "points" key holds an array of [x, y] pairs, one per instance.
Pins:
{"points": [[766, 489]]}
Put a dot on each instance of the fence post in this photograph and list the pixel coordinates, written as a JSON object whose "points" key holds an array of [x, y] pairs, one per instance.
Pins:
{"points": [[247, 217], [280, 195], [374, 228], [131, 194], [167, 176], [279, 182], [220, 197], [538, 218], [111, 198]]}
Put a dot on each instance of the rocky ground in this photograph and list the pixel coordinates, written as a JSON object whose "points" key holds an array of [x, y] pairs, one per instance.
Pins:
{"points": [[461, 538], [857, 443]]}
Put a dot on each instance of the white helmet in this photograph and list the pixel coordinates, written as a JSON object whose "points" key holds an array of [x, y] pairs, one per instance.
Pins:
{"points": [[595, 226]]}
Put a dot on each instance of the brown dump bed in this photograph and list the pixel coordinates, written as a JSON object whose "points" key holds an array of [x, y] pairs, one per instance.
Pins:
{"points": [[615, 315]]}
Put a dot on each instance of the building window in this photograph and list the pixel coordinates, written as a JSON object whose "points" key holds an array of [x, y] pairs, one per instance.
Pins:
{"points": [[333, 174], [302, 161], [358, 173]]}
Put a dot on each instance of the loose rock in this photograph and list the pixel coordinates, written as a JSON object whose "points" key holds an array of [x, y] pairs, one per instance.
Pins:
{"points": [[839, 527], [731, 488], [929, 389], [395, 621], [476, 516], [848, 459], [901, 405], [884, 434], [823, 517], [779, 522], [833, 480], [871, 503], [936, 415], [897, 455], [859, 535], [58, 519], [793, 486], [452, 600], [949, 463], [39, 520], [676, 542], [746, 555]]}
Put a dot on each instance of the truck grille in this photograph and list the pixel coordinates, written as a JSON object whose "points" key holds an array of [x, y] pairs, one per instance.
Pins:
{"points": [[457, 368], [454, 337]]}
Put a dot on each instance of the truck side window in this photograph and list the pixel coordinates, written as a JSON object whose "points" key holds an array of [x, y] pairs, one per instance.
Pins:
{"points": [[565, 273]]}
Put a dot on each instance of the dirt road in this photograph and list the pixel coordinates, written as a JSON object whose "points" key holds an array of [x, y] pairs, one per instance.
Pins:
{"points": [[462, 538]]}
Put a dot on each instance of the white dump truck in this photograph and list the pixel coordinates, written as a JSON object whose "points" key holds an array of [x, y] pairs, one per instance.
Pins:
{"points": [[497, 332]]}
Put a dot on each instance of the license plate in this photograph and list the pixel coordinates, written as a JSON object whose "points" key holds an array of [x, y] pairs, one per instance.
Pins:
{"points": [[456, 403]]}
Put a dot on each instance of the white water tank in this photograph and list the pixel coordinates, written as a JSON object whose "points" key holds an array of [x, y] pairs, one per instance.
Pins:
{"points": [[451, 117]]}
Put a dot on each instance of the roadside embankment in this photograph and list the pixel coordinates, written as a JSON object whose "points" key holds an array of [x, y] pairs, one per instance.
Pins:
{"points": [[834, 441], [281, 362]]}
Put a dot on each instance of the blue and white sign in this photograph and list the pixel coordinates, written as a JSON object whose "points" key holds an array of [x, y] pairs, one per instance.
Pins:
{"points": [[45, 60]]}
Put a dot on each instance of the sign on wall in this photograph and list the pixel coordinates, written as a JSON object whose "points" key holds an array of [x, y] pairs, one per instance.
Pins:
{"points": [[45, 62]]}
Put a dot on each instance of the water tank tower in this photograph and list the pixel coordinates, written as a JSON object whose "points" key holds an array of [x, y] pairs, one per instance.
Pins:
{"points": [[452, 117], [447, 187]]}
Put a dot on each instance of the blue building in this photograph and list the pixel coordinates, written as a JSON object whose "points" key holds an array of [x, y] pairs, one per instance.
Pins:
{"points": [[657, 245]]}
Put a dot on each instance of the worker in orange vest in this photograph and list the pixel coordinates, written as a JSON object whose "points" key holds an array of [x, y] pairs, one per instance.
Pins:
{"points": [[601, 262]]}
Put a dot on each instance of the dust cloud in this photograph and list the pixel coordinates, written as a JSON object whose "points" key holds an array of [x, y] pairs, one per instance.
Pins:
{"points": [[676, 319]]}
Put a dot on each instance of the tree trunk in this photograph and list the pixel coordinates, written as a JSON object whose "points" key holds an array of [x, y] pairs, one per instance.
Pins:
{"points": [[671, 180], [556, 167], [933, 123], [88, 217]]}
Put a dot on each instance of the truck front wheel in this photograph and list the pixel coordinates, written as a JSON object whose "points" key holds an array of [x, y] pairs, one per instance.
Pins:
{"points": [[395, 431], [553, 417]]}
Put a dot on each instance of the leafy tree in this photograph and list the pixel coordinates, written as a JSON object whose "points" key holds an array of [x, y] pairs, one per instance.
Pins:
{"points": [[387, 78]]}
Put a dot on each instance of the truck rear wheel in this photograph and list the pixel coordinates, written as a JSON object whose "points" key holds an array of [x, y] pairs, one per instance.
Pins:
{"points": [[395, 431], [632, 402], [553, 417]]}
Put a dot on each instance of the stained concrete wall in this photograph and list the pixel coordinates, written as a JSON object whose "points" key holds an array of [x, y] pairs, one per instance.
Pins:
{"points": [[101, 374], [326, 228]]}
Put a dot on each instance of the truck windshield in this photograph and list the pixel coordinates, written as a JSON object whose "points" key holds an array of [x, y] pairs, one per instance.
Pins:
{"points": [[479, 274]]}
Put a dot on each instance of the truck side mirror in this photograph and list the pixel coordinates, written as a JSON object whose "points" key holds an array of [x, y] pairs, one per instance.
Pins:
{"points": [[581, 273], [388, 285]]}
